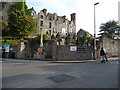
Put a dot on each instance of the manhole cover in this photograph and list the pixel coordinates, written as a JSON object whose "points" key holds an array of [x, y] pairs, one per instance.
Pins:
{"points": [[61, 78]]}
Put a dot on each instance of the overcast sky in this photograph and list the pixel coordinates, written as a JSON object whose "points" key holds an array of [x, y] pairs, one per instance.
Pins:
{"points": [[106, 10]]}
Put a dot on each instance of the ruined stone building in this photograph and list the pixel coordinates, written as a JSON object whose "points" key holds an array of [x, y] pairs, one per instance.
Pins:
{"points": [[53, 24], [4, 11], [48, 22], [5, 6]]}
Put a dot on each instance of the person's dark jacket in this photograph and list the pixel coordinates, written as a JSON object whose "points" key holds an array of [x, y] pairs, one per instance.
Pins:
{"points": [[102, 52]]}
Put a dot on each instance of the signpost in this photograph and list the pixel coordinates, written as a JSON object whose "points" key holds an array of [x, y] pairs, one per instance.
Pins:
{"points": [[7, 50]]}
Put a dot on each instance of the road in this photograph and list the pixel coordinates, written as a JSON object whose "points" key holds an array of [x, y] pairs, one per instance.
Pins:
{"points": [[45, 74]]}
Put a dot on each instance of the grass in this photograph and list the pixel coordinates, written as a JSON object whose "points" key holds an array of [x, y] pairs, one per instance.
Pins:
{"points": [[71, 44]]}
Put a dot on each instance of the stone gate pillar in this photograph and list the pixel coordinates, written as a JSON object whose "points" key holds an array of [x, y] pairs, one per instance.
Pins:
{"points": [[20, 50], [54, 50]]}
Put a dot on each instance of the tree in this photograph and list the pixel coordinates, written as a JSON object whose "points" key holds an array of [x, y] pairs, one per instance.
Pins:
{"points": [[28, 25], [45, 37], [78, 40], [82, 40], [108, 29], [59, 39], [90, 41], [58, 35], [4, 27], [53, 37], [20, 22], [74, 36], [68, 39]]}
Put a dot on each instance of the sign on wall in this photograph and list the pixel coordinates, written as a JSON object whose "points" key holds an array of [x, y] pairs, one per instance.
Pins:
{"points": [[81, 49], [7, 48], [73, 48]]}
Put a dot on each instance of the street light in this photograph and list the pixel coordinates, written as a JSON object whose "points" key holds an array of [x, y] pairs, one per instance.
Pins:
{"points": [[41, 40], [41, 32], [95, 31]]}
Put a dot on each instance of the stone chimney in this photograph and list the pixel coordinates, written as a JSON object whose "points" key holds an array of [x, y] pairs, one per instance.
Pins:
{"points": [[73, 17], [45, 11]]}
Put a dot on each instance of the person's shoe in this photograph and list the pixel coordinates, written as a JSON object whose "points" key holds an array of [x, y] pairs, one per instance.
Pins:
{"points": [[106, 60], [102, 61]]}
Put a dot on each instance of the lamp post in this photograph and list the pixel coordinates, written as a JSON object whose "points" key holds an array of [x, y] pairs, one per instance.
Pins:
{"points": [[41, 40], [95, 31], [40, 32]]}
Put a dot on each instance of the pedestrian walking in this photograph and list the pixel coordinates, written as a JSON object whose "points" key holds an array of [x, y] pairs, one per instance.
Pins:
{"points": [[105, 55], [102, 54]]}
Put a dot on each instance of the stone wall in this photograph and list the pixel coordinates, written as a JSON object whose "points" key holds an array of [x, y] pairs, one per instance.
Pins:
{"points": [[20, 50], [111, 46], [23, 50], [64, 53], [52, 51]]}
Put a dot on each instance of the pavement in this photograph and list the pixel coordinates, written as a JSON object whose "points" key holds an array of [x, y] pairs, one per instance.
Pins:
{"points": [[84, 61], [47, 74], [61, 61]]}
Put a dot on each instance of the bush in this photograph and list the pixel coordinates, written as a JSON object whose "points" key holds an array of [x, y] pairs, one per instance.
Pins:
{"points": [[71, 44], [12, 42]]}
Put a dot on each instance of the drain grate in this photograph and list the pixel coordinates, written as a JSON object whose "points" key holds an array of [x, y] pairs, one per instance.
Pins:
{"points": [[61, 78]]}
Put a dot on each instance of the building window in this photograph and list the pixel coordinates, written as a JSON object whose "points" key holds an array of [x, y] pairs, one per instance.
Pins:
{"points": [[49, 32], [2, 18], [32, 14], [41, 16], [50, 25], [41, 23], [50, 18]]}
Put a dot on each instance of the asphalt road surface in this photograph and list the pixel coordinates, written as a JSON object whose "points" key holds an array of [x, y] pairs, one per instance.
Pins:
{"points": [[45, 74]]}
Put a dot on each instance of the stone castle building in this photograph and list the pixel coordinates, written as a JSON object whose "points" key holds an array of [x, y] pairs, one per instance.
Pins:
{"points": [[5, 6], [53, 24], [4, 11], [47, 22]]}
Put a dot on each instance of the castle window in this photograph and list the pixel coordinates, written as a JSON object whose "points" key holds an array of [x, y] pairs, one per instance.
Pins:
{"points": [[49, 32], [50, 18], [41, 23], [41, 16], [32, 14], [50, 25]]}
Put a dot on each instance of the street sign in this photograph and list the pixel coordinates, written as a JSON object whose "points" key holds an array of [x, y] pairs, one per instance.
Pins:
{"points": [[81, 49], [7, 48], [73, 48]]}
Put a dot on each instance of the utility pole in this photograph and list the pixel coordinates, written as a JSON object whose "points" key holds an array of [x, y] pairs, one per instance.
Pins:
{"points": [[95, 48]]}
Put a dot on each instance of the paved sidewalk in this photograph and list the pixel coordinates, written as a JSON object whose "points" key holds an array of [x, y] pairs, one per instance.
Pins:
{"points": [[60, 61], [84, 61]]}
